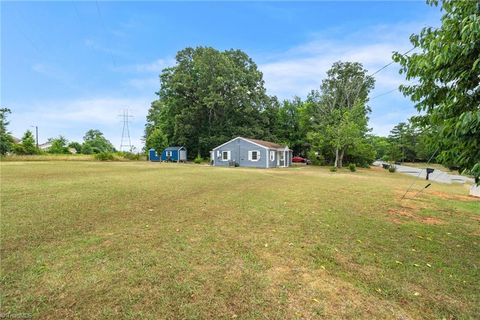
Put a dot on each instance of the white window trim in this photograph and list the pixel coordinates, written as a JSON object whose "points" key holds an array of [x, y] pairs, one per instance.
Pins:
{"points": [[168, 153], [272, 155], [250, 155], [228, 155]]}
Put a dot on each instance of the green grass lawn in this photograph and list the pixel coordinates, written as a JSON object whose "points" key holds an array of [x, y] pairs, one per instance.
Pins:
{"points": [[132, 240]]}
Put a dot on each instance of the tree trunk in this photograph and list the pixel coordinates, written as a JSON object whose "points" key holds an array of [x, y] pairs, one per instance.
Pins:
{"points": [[340, 158], [336, 157]]}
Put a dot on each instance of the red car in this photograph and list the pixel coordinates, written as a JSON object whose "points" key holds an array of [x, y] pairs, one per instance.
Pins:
{"points": [[298, 159]]}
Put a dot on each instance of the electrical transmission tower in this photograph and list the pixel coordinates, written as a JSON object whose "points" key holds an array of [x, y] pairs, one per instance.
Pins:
{"points": [[125, 132]]}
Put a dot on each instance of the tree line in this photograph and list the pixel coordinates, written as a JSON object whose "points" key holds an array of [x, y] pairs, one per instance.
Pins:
{"points": [[94, 142], [211, 96]]}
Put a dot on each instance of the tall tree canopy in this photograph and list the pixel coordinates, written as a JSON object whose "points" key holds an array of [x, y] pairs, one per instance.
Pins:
{"points": [[447, 70], [58, 145], [288, 129], [95, 142], [337, 114], [207, 98], [6, 140], [28, 145]]}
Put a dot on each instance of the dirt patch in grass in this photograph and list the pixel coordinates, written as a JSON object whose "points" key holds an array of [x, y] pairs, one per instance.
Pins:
{"points": [[318, 294], [450, 196], [401, 212], [409, 213], [432, 220]]}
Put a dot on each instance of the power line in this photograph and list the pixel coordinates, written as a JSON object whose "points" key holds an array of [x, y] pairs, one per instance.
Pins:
{"points": [[403, 197], [384, 94], [104, 28], [388, 64], [382, 68]]}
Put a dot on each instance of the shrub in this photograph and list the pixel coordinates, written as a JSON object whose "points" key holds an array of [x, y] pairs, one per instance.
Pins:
{"points": [[352, 167], [364, 165], [198, 159], [104, 156], [130, 155], [392, 169], [333, 169], [317, 160]]}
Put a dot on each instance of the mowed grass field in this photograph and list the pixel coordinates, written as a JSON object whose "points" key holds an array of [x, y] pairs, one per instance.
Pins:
{"points": [[139, 240]]}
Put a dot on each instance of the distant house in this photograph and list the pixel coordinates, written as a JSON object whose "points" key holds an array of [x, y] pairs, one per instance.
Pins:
{"points": [[245, 152], [45, 146], [176, 154]]}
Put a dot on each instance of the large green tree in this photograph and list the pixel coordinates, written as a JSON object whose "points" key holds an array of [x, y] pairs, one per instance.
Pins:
{"points": [[337, 113], [58, 145], [27, 145], [208, 97], [6, 140], [95, 142], [446, 67], [402, 140], [289, 129]]}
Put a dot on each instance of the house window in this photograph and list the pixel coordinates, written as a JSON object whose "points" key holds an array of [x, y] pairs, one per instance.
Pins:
{"points": [[272, 155], [254, 155], [169, 153], [225, 155]]}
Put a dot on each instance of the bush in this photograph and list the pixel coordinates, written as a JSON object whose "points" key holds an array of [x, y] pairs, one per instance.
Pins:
{"points": [[317, 160], [198, 159], [352, 167], [104, 156], [385, 158], [333, 169], [130, 155], [392, 169]]}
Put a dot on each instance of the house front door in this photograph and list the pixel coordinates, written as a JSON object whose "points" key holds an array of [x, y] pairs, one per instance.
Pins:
{"points": [[280, 158]]}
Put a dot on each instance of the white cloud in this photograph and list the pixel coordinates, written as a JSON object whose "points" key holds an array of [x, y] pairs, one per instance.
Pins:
{"points": [[150, 84], [297, 74], [72, 118], [154, 67], [300, 69]]}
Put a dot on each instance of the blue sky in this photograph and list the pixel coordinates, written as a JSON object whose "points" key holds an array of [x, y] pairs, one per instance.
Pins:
{"points": [[71, 66]]}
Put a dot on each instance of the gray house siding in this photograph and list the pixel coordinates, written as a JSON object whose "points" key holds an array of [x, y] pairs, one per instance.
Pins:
{"points": [[236, 151], [239, 149], [272, 163]]}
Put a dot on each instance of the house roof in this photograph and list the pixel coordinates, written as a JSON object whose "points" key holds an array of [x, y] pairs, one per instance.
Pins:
{"points": [[267, 144], [261, 143], [173, 148]]}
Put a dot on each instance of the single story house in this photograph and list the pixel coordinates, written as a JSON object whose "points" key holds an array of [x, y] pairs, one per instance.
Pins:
{"points": [[174, 154], [246, 152]]}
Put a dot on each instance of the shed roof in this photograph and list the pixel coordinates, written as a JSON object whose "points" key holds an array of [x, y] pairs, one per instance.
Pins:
{"points": [[173, 148]]}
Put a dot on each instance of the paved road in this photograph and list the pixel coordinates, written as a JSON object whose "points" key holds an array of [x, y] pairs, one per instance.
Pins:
{"points": [[436, 175]]}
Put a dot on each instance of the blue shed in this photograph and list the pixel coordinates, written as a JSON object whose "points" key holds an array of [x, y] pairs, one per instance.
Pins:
{"points": [[153, 155], [174, 154]]}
